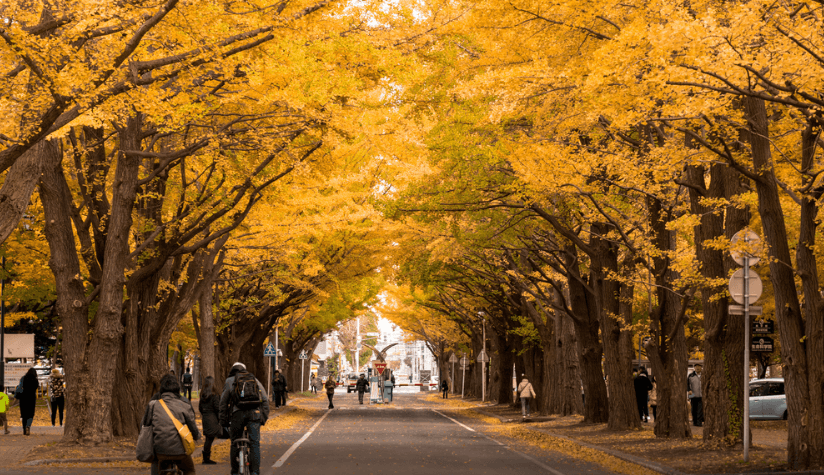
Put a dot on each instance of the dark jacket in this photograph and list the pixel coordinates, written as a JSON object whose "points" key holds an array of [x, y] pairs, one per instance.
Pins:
{"points": [[278, 383], [209, 408], [642, 387], [330, 386], [29, 399], [361, 385], [444, 385], [227, 409], [166, 439]]}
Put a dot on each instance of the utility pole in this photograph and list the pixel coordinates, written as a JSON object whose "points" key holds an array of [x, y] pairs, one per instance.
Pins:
{"points": [[277, 349], [483, 366]]}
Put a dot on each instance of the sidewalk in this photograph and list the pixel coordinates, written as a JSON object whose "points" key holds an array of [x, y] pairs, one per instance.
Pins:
{"points": [[673, 457], [16, 446]]}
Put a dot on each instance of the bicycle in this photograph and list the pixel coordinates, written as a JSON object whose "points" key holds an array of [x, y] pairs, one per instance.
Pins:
{"points": [[243, 452], [169, 467]]}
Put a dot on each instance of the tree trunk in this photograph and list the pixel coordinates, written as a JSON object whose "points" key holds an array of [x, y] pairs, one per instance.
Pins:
{"points": [[805, 438], [19, 184], [568, 372]]}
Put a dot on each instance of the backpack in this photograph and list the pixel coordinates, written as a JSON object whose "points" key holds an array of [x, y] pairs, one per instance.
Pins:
{"points": [[187, 379], [18, 391], [246, 394]]}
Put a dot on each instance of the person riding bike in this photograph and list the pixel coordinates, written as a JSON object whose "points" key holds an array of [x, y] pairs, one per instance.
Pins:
{"points": [[165, 437], [244, 405]]}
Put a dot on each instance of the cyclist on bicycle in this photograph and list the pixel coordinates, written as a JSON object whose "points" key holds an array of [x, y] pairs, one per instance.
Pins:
{"points": [[165, 437], [244, 405]]}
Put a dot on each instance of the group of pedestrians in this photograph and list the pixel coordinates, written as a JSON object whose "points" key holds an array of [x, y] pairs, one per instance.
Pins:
{"points": [[646, 395], [241, 406], [25, 395]]}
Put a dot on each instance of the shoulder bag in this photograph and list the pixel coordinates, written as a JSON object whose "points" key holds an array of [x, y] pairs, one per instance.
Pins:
{"points": [[182, 430]]}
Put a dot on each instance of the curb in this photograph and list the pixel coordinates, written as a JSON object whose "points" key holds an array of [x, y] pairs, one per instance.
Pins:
{"points": [[197, 453], [656, 467]]}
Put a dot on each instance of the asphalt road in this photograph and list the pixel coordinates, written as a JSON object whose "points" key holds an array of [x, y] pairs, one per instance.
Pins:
{"points": [[410, 437]]}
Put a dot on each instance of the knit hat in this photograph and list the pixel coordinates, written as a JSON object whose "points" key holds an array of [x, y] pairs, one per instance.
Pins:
{"points": [[240, 366]]}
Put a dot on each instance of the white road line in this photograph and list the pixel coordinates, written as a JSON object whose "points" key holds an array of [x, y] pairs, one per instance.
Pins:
{"points": [[294, 446], [453, 420], [531, 459]]}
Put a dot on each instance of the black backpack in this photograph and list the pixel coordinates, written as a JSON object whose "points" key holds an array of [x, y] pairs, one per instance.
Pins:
{"points": [[187, 379], [246, 393]]}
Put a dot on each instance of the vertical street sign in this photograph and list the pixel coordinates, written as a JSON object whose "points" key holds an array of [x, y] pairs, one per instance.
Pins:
{"points": [[745, 288], [302, 356]]}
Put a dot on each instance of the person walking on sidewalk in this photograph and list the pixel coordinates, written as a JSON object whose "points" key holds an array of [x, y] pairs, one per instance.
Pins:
{"points": [[4, 406], [187, 382], [279, 389], [28, 400], [209, 407], [166, 440], [57, 390], [361, 386], [642, 388], [244, 404], [696, 400], [444, 389], [312, 384], [526, 392], [330, 391], [653, 399]]}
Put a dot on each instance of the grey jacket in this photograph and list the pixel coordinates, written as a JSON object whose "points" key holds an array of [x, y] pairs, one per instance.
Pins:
{"points": [[165, 436], [225, 402], [694, 384]]}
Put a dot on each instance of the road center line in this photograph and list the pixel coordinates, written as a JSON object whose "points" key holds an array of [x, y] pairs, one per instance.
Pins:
{"points": [[453, 420], [294, 446]]}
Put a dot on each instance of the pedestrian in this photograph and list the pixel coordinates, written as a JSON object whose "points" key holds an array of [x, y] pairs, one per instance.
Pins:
{"points": [[444, 389], [28, 399], [279, 389], [696, 400], [57, 390], [526, 393], [244, 405], [642, 388], [653, 399], [168, 446], [187, 382], [312, 382], [360, 387], [209, 407], [330, 391], [4, 406]]}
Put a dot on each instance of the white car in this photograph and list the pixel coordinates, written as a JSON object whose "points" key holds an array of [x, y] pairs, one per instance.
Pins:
{"points": [[767, 399]]}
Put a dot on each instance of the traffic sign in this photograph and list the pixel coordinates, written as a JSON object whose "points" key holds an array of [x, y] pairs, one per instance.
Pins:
{"points": [[763, 328], [453, 358], [303, 355], [737, 286], [380, 366], [762, 344], [482, 357], [739, 310], [745, 243], [269, 350]]}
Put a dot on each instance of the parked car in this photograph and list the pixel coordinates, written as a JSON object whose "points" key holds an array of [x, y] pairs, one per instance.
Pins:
{"points": [[767, 399]]}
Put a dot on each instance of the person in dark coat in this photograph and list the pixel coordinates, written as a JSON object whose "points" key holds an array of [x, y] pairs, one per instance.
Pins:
{"points": [[28, 400], [209, 407], [445, 389], [361, 386], [330, 391], [279, 389], [642, 388], [166, 440]]}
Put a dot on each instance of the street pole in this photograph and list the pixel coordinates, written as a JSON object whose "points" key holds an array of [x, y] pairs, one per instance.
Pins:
{"points": [[746, 358], [483, 369], [277, 345], [269, 385], [453, 377], [301, 374], [463, 380]]}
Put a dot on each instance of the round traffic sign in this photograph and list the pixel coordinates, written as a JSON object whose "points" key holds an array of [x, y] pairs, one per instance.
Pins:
{"points": [[754, 286], [745, 243]]}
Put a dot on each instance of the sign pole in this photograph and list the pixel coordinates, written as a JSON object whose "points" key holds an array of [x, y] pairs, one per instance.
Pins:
{"points": [[269, 386], [301, 373], [463, 380], [746, 359], [453, 377], [483, 369]]}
